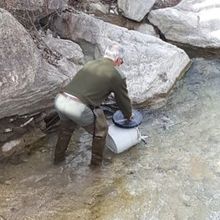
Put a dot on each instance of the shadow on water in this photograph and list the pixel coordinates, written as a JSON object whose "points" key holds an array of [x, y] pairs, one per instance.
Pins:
{"points": [[176, 175]]}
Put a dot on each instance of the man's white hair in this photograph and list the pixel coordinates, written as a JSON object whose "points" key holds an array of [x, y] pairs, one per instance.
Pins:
{"points": [[114, 51]]}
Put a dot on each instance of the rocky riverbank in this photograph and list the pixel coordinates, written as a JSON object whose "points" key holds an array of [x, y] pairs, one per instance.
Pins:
{"points": [[175, 175]]}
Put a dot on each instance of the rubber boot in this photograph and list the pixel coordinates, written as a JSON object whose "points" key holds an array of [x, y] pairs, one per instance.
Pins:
{"points": [[65, 132], [99, 137], [98, 145]]}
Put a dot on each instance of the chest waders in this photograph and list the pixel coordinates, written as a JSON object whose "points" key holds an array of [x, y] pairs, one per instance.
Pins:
{"points": [[66, 130], [99, 130], [99, 136]]}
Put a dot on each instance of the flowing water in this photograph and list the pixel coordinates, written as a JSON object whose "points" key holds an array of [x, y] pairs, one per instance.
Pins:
{"points": [[176, 175]]}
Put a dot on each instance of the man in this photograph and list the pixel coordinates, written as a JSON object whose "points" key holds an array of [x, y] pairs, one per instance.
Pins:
{"points": [[79, 103]]}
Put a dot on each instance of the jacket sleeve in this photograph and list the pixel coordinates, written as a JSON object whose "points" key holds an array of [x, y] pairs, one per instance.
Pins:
{"points": [[121, 95]]}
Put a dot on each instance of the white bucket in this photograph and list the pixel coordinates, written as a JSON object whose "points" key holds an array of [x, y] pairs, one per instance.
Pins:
{"points": [[121, 139]]}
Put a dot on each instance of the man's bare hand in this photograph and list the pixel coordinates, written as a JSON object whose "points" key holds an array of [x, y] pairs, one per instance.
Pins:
{"points": [[132, 116]]}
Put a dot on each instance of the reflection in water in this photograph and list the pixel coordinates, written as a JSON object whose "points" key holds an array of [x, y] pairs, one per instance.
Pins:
{"points": [[176, 175]]}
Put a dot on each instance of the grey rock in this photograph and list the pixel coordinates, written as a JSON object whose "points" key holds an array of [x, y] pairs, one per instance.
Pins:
{"points": [[135, 10], [165, 3], [30, 11], [67, 48], [28, 82], [193, 22], [146, 29], [17, 145], [33, 5], [19, 57], [99, 7]]}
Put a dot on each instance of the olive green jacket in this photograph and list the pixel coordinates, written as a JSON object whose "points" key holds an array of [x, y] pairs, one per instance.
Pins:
{"points": [[96, 80]]}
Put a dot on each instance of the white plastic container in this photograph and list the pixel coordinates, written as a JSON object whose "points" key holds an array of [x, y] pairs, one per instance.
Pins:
{"points": [[121, 139]]}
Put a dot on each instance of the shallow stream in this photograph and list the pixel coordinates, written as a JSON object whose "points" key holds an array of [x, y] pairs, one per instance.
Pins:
{"points": [[176, 175]]}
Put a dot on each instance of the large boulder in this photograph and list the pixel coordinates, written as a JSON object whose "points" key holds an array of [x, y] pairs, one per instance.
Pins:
{"points": [[193, 22], [30, 11], [28, 82], [150, 65], [135, 10], [66, 48], [20, 58], [34, 5]]}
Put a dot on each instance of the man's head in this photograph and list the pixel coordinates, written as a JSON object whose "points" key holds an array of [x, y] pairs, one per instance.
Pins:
{"points": [[115, 52]]}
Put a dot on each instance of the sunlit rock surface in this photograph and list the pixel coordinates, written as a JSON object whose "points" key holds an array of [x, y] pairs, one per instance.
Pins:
{"points": [[67, 48], [193, 22], [150, 65], [135, 10], [99, 8], [146, 29]]}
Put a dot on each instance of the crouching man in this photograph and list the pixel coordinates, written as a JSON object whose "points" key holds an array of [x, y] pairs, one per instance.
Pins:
{"points": [[79, 103]]}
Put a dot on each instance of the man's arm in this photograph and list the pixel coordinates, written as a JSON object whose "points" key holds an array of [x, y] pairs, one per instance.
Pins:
{"points": [[121, 96]]}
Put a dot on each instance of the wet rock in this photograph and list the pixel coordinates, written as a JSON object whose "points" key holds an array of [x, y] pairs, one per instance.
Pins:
{"points": [[151, 65], [18, 145], [10, 145], [33, 179], [8, 182], [135, 10], [190, 22], [7, 130]]}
